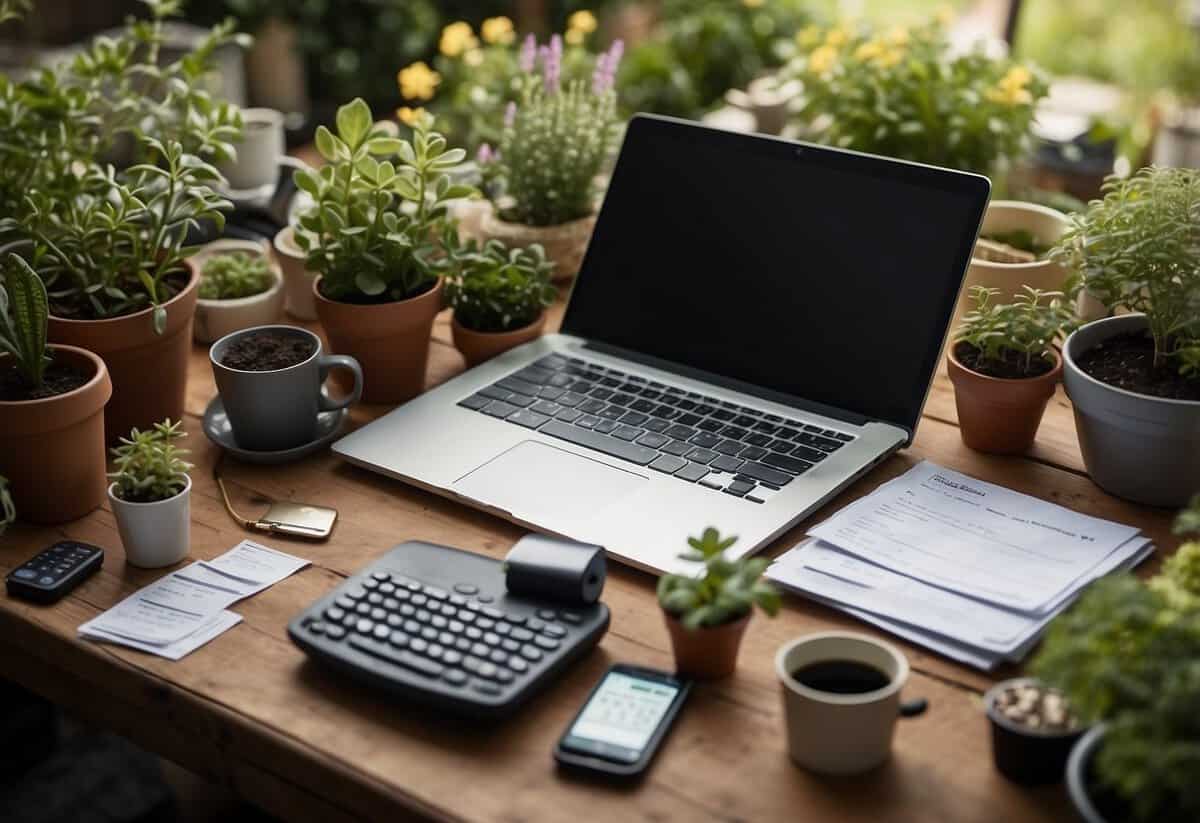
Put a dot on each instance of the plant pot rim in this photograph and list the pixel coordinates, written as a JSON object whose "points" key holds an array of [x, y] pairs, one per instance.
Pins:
{"points": [[1020, 205], [494, 215], [284, 243], [264, 328], [791, 684], [193, 283], [989, 705], [112, 495], [1076, 775], [455, 323], [217, 303], [1119, 320], [98, 372], [434, 289], [1054, 375]]}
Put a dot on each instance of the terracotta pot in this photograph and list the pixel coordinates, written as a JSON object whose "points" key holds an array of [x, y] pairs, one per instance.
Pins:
{"points": [[706, 653], [389, 340], [148, 370], [478, 346], [565, 243], [52, 450], [996, 415]]}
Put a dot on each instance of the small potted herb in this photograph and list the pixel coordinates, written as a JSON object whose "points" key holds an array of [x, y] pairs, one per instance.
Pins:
{"points": [[1005, 368], [8, 510], [379, 237], [240, 287], [51, 407], [1033, 730], [150, 496], [499, 299], [1134, 378], [707, 615]]}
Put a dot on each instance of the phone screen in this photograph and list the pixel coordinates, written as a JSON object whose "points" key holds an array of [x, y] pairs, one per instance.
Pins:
{"points": [[621, 717]]}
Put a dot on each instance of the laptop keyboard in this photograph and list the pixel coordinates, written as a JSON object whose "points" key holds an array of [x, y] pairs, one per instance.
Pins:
{"points": [[698, 439]]}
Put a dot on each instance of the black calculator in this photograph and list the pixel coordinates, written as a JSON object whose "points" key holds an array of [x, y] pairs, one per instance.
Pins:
{"points": [[438, 626]]}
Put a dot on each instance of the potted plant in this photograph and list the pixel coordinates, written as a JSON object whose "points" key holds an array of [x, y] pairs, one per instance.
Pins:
{"points": [[499, 299], [707, 615], [150, 496], [1033, 730], [240, 287], [555, 142], [1004, 367], [112, 241], [380, 239], [1134, 379], [51, 408], [1125, 655], [8, 510]]}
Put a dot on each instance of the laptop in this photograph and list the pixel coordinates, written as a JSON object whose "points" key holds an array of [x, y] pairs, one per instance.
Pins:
{"points": [[755, 325]]}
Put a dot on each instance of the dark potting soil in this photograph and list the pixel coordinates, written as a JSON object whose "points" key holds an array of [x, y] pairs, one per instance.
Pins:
{"points": [[82, 309], [1009, 368], [267, 351], [1126, 361], [57, 379]]}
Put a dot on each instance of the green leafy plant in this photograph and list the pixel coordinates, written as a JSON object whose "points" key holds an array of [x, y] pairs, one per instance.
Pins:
{"points": [[1138, 248], [498, 289], [1022, 332], [8, 512], [231, 275], [149, 465], [727, 591], [907, 93], [1188, 521], [23, 316], [378, 230]]}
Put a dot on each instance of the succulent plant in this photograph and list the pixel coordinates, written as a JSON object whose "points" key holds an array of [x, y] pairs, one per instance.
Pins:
{"points": [[24, 308], [231, 275], [498, 289], [727, 591], [149, 466]]}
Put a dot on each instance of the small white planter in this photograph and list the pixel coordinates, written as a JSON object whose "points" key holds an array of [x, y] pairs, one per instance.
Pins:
{"points": [[154, 534], [298, 280], [217, 318], [258, 154]]}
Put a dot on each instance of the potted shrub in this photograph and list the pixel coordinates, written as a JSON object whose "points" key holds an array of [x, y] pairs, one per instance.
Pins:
{"points": [[707, 615], [240, 287], [1125, 655], [51, 408], [380, 239], [1134, 379], [499, 299], [555, 142], [150, 496], [1004, 367]]}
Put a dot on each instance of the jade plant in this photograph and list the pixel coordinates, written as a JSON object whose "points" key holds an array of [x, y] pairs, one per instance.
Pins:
{"points": [[1018, 335], [499, 290], [149, 466], [233, 275], [8, 511], [727, 591], [378, 229], [23, 312]]}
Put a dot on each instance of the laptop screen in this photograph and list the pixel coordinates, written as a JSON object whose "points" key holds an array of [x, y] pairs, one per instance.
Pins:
{"points": [[821, 275]]}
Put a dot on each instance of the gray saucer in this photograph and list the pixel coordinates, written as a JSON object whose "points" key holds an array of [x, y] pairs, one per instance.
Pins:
{"points": [[219, 431]]}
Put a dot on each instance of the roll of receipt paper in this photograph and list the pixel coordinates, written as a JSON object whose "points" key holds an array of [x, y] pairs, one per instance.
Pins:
{"points": [[555, 569]]}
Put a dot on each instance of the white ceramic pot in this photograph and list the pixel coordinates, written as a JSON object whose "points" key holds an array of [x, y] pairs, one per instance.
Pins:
{"points": [[154, 534], [262, 146], [297, 279], [217, 318]]}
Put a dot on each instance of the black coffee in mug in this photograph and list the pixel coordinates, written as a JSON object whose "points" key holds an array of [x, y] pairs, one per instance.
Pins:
{"points": [[841, 677]]}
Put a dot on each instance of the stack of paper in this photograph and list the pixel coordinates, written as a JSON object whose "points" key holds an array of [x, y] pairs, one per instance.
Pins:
{"points": [[972, 570], [184, 610]]}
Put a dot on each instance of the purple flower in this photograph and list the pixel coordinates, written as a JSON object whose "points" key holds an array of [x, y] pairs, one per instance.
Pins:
{"points": [[606, 68], [485, 154], [552, 63], [528, 54], [510, 115]]}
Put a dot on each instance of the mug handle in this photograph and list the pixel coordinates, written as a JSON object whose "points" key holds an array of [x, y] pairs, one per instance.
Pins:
{"points": [[914, 708], [328, 363]]}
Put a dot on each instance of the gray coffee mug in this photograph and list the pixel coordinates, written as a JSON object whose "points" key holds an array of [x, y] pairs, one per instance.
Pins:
{"points": [[277, 410]]}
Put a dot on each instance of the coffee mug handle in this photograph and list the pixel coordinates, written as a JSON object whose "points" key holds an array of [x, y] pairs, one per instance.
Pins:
{"points": [[914, 708], [328, 363]]}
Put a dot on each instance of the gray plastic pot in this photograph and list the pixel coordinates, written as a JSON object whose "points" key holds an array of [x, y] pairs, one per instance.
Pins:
{"points": [[1079, 775], [1144, 449]]}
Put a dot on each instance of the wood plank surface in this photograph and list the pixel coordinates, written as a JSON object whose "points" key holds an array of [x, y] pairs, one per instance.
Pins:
{"points": [[249, 711]]}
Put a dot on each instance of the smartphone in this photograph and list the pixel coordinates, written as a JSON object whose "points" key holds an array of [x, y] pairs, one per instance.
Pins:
{"points": [[623, 722]]}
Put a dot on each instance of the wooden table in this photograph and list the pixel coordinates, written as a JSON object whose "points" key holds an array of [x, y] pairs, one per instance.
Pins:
{"points": [[250, 712]]}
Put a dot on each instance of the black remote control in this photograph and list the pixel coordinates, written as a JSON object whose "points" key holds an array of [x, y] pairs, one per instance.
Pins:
{"points": [[49, 576]]}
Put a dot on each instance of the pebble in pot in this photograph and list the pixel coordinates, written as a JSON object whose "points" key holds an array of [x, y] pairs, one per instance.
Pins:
{"points": [[1033, 730], [150, 496]]}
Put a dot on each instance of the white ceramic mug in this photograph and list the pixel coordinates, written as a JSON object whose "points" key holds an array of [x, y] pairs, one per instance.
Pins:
{"points": [[834, 733], [297, 279], [262, 146]]}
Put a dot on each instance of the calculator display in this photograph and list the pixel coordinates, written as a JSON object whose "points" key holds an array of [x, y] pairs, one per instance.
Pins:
{"points": [[621, 717]]}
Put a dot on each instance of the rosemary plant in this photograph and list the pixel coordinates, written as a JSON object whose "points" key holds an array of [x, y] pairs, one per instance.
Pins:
{"points": [[1023, 331]]}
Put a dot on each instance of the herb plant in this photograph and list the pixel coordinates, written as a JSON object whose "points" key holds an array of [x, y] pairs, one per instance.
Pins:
{"points": [[231, 275], [149, 466], [1021, 332], [23, 312], [1138, 248], [499, 290], [378, 229], [8, 511], [727, 591], [907, 93], [556, 139]]}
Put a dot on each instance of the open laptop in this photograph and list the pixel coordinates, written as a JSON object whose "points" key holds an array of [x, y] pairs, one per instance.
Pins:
{"points": [[755, 325]]}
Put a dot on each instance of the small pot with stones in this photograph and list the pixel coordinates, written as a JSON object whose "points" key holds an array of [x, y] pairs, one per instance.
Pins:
{"points": [[1033, 730]]}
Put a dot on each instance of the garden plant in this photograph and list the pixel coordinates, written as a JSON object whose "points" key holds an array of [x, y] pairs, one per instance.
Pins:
{"points": [[149, 466], [500, 290], [1013, 340], [726, 592], [234, 275]]}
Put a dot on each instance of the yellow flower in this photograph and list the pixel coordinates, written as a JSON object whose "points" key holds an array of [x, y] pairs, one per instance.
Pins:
{"points": [[582, 21], [1011, 89], [574, 37], [836, 37], [898, 36], [410, 116], [808, 36], [945, 14], [753, 4], [418, 81], [498, 31], [473, 58], [822, 59], [457, 38], [890, 58], [869, 50]]}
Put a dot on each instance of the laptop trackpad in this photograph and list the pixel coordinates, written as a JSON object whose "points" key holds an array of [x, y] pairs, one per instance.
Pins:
{"points": [[538, 482]]}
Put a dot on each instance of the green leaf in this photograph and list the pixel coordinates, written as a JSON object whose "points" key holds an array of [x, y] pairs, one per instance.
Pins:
{"points": [[370, 284], [326, 144], [353, 122], [385, 145]]}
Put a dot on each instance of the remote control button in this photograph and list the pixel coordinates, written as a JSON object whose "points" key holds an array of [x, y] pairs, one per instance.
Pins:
{"points": [[472, 664], [547, 614], [398, 639], [485, 687], [418, 600], [394, 620], [438, 622], [378, 614], [448, 610], [535, 625], [455, 677], [387, 588], [434, 651], [370, 583], [530, 653], [480, 650], [364, 626], [25, 574], [486, 669], [400, 658], [462, 644], [485, 598], [422, 615], [518, 664], [382, 631], [412, 627], [446, 639], [316, 627], [455, 600], [402, 594], [491, 638], [546, 643], [495, 614], [521, 634], [498, 656], [504, 675], [485, 623], [436, 593], [466, 588], [381, 576], [374, 598], [451, 658], [473, 633], [418, 645], [345, 601], [502, 628], [429, 633], [473, 606], [363, 608], [466, 615], [455, 626], [515, 619], [407, 610], [510, 645], [391, 604], [571, 617], [336, 632], [554, 631]]}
